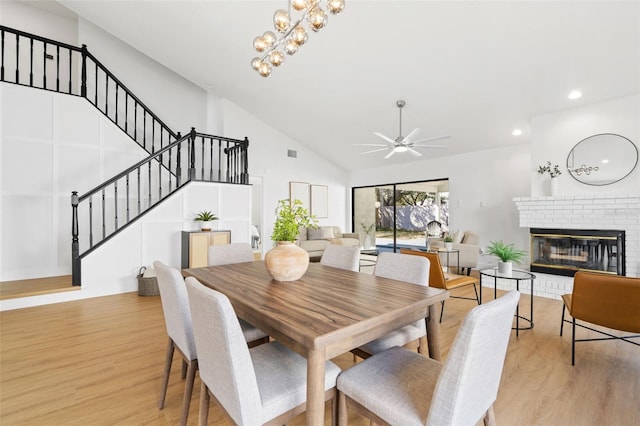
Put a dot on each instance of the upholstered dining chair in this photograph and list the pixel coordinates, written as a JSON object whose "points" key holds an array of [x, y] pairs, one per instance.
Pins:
{"points": [[225, 254], [264, 384], [343, 257], [401, 267], [449, 281], [177, 317], [400, 387]]}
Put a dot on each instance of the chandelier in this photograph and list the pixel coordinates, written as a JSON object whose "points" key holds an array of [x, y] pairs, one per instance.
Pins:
{"points": [[291, 32]]}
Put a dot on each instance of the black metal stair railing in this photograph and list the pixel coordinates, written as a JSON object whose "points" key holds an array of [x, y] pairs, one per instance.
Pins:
{"points": [[99, 214], [38, 62]]}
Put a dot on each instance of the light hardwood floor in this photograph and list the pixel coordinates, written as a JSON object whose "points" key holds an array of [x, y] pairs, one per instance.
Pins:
{"points": [[100, 361]]}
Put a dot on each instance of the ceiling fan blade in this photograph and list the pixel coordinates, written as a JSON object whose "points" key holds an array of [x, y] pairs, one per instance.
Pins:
{"points": [[414, 152], [393, 151], [429, 146], [436, 138], [375, 150], [413, 133], [369, 144], [380, 135]]}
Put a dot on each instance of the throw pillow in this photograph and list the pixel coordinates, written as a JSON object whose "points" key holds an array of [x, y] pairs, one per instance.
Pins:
{"points": [[322, 233], [457, 236], [471, 238], [326, 232]]}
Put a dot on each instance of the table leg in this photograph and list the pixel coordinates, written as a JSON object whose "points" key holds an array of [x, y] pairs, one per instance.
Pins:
{"points": [[433, 334], [518, 311], [315, 388]]}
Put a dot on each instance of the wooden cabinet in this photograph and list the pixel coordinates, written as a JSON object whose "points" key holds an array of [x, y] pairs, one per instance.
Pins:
{"points": [[195, 246]]}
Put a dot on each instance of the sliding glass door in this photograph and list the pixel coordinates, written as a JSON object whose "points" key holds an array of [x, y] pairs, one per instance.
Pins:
{"points": [[393, 216]]}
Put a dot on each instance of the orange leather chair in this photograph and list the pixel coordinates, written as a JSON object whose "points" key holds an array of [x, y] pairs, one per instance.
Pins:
{"points": [[438, 279], [609, 301]]}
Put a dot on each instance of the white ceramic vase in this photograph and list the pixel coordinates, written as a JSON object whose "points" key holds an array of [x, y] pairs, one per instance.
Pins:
{"points": [[205, 225], [366, 244], [505, 267], [286, 261], [448, 246], [553, 187]]}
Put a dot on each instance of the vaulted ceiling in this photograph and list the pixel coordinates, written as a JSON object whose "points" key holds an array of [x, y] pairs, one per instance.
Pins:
{"points": [[474, 70]]}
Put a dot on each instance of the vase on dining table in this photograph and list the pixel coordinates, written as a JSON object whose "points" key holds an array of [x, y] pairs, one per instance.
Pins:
{"points": [[286, 261]]}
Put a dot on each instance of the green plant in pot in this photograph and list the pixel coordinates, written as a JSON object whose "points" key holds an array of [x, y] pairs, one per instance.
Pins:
{"points": [[507, 253], [205, 217], [287, 261], [448, 242]]}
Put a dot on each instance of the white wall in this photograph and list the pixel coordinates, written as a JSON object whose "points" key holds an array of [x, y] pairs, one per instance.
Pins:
{"points": [[21, 16], [555, 134], [481, 187]]}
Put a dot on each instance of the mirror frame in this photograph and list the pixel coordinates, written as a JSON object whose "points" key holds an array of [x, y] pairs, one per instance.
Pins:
{"points": [[569, 170]]}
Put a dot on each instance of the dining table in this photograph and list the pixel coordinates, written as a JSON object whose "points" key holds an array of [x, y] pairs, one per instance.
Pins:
{"points": [[326, 313]]}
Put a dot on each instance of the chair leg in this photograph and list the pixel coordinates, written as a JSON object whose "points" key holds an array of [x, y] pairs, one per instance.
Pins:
{"points": [[441, 310], [185, 366], [475, 290], [562, 320], [167, 370], [334, 409], [573, 342], [188, 390], [490, 417], [343, 416], [203, 415]]}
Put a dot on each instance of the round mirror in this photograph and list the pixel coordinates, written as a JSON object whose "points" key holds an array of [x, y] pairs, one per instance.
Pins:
{"points": [[602, 159]]}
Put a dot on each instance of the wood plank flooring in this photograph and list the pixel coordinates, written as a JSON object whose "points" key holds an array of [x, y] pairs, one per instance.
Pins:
{"points": [[99, 362], [35, 286]]}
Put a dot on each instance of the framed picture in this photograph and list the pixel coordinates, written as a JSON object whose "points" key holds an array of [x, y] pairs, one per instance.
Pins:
{"points": [[299, 191], [320, 200]]}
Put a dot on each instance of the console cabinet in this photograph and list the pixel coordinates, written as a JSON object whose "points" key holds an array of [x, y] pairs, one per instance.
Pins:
{"points": [[195, 246]]}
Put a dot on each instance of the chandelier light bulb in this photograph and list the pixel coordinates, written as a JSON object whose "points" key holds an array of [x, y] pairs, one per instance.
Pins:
{"points": [[299, 4], [290, 47], [264, 69], [317, 19], [276, 58], [269, 37], [281, 20], [260, 44], [255, 63], [299, 35], [335, 6]]}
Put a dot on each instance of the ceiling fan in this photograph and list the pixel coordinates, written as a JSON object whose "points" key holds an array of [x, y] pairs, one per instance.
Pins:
{"points": [[402, 143]]}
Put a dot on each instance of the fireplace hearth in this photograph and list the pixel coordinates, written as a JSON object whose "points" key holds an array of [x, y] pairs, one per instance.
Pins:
{"points": [[566, 251]]}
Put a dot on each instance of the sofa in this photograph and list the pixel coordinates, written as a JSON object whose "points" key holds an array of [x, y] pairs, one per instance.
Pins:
{"points": [[314, 241], [467, 242]]}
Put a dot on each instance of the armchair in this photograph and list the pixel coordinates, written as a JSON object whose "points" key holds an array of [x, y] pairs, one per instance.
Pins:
{"points": [[468, 245]]}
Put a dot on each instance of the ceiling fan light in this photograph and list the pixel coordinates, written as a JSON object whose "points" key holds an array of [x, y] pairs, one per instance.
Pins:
{"points": [[401, 149]]}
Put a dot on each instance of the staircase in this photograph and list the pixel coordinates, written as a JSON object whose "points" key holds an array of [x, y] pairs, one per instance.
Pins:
{"points": [[174, 160]]}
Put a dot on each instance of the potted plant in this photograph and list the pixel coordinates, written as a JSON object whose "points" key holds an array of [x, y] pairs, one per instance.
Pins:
{"points": [[286, 261], [205, 217], [507, 253], [448, 243]]}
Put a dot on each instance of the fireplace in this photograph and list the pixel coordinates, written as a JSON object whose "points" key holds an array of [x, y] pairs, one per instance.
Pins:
{"points": [[566, 251]]}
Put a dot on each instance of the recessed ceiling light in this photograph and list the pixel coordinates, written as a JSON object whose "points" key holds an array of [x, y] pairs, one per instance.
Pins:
{"points": [[516, 132], [575, 94]]}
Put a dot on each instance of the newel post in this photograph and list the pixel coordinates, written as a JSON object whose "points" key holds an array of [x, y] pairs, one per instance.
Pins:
{"points": [[75, 245], [83, 84], [178, 163], [192, 151], [245, 171]]}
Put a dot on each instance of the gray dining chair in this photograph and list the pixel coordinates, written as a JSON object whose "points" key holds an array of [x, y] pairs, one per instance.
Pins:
{"points": [[343, 257], [264, 384], [401, 267], [400, 387], [225, 254], [177, 317]]}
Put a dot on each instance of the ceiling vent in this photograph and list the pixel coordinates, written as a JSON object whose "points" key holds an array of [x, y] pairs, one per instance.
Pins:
{"points": [[291, 153]]}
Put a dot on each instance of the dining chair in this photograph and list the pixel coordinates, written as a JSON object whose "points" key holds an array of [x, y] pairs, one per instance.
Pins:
{"points": [[448, 281], [225, 254], [266, 384], [177, 317], [400, 387], [401, 267], [343, 257]]}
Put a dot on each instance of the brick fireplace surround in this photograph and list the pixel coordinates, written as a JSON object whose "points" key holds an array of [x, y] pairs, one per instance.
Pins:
{"points": [[591, 211]]}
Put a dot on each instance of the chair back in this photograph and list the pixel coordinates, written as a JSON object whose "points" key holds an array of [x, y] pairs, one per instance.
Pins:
{"points": [[468, 383], [175, 306], [608, 300], [403, 267], [223, 356], [434, 229], [343, 257], [225, 254], [436, 274]]}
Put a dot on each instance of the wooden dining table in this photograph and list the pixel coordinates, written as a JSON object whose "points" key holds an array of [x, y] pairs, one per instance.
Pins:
{"points": [[326, 313]]}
